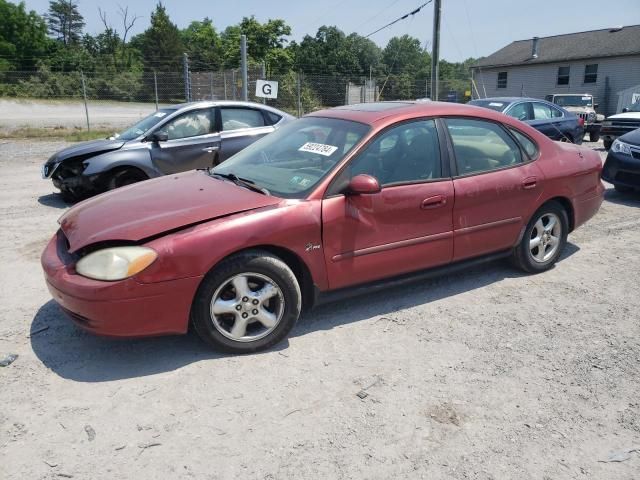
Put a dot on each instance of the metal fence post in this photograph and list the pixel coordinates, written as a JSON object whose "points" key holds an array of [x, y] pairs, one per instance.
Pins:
{"points": [[224, 81], [299, 89], [243, 65], [264, 77], [84, 94], [155, 87], [211, 83], [233, 83], [185, 73]]}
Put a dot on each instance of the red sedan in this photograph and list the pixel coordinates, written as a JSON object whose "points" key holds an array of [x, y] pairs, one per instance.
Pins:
{"points": [[358, 195]]}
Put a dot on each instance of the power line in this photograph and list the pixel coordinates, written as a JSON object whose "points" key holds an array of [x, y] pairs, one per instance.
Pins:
{"points": [[400, 18]]}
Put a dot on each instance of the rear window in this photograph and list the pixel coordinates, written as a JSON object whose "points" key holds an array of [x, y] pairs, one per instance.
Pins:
{"points": [[496, 105], [272, 118], [526, 144]]}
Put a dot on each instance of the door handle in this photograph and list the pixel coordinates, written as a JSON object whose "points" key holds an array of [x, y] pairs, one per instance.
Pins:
{"points": [[434, 202], [529, 183], [211, 148]]}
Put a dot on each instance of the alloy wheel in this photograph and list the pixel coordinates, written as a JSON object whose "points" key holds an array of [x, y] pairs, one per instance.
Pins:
{"points": [[247, 307], [545, 237]]}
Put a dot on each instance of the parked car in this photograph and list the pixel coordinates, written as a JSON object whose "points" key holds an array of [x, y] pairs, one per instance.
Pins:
{"points": [[622, 166], [171, 140], [583, 105], [621, 123], [355, 195], [555, 122]]}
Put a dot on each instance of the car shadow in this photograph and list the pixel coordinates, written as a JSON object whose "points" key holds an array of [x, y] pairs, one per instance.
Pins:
{"points": [[629, 199], [53, 200], [76, 355]]}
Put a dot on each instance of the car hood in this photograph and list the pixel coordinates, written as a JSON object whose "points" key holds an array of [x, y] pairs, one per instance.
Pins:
{"points": [[87, 149], [628, 115], [156, 206], [633, 137], [576, 109]]}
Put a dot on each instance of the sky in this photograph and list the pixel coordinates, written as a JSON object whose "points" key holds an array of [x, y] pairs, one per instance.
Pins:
{"points": [[470, 28]]}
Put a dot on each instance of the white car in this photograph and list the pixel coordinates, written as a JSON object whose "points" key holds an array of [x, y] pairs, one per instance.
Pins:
{"points": [[621, 123]]}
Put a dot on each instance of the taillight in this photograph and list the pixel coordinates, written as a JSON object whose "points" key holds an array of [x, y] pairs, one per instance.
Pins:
{"points": [[581, 121]]}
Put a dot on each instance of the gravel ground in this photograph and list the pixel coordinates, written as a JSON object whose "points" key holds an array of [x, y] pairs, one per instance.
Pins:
{"points": [[488, 374]]}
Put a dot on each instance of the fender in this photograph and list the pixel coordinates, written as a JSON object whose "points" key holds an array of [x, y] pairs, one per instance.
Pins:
{"points": [[139, 158]]}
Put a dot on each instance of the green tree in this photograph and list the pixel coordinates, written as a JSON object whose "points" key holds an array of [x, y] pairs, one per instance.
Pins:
{"points": [[203, 45], [265, 43], [65, 21], [23, 37], [405, 55], [331, 52], [161, 44]]}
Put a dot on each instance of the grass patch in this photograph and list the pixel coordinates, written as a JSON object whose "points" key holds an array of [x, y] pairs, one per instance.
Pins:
{"points": [[58, 133]]}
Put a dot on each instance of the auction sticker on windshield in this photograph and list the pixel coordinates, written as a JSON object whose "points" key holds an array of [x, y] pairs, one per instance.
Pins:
{"points": [[319, 148]]}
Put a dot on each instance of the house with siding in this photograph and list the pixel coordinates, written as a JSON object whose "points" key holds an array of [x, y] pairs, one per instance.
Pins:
{"points": [[603, 63]]}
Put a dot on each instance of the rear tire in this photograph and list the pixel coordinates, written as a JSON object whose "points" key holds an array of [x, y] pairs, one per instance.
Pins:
{"points": [[249, 302], [594, 136], [544, 239], [125, 177]]}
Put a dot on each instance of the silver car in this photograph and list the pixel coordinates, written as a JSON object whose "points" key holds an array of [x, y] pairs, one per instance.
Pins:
{"points": [[173, 139]]}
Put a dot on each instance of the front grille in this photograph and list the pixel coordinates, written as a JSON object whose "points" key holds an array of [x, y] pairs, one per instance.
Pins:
{"points": [[584, 116], [628, 177], [626, 123]]}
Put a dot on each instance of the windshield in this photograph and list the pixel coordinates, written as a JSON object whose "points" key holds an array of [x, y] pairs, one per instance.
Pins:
{"points": [[144, 125], [492, 104], [634, 107], [573, 100], [291, 161]]}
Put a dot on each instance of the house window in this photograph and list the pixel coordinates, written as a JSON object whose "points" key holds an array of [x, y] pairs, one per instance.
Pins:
{"points": [[591, 73], [563, 76], [502, 79]]}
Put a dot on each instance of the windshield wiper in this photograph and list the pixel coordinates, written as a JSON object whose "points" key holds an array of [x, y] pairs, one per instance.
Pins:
{"points": [[243, 182]]}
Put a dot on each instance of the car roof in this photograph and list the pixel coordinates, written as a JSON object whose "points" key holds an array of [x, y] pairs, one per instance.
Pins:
{"points": [[508, 99], [372, 113], [229, 103]]}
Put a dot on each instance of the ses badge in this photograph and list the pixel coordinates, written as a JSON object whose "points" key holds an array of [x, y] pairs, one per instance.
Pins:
{"points": [[266, 89]]}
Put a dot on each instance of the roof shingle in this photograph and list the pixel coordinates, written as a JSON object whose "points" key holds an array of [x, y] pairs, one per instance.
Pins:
{"points": [[608, 42]]}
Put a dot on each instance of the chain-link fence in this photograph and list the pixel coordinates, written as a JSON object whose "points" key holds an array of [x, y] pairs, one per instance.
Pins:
{"points": [[298, 93]]}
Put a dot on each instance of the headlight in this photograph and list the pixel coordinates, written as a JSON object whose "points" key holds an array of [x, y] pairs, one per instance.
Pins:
{"points": [[592, 116], [621, 147], [115, 263]]}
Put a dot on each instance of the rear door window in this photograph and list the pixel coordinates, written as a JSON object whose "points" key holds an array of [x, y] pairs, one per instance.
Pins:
{"points": [[236, 118], [481, 146]]}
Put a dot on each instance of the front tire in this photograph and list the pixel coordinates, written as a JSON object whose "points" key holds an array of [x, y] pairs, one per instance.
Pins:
{"points": [[544, 239], [607, 144], [125, 177], [249, 302], [594, 136]]}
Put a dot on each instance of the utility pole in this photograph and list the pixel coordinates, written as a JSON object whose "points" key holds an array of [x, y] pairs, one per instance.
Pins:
{"points": [[435, 52], [243, 63]]}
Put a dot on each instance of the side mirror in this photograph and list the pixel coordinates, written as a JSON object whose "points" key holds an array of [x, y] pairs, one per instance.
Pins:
{"points": [[363, 185], [159, 137], [625, 110]]}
